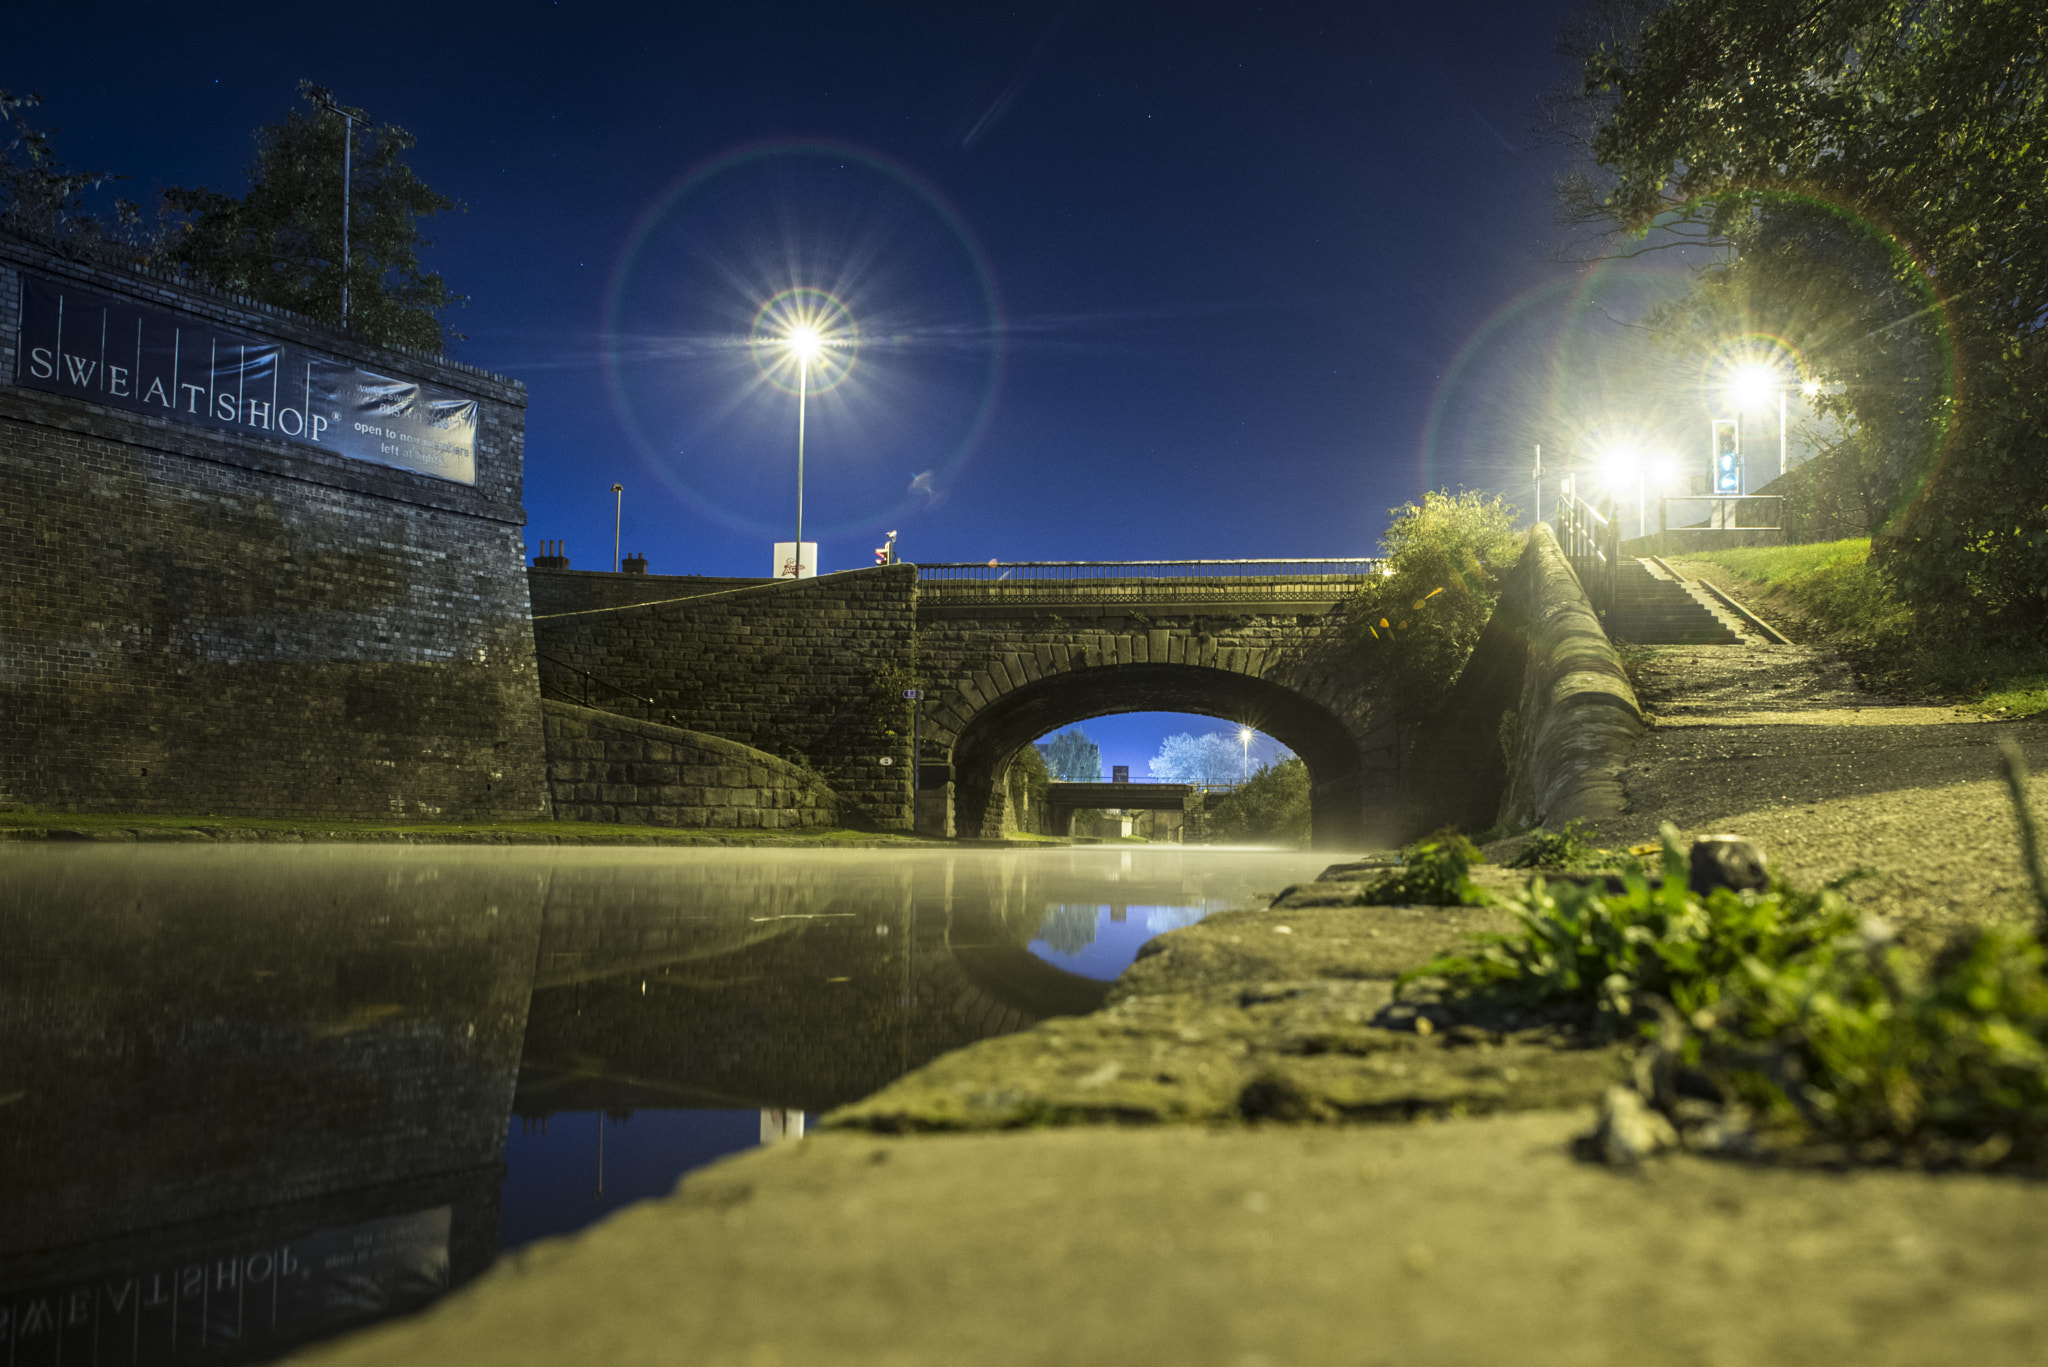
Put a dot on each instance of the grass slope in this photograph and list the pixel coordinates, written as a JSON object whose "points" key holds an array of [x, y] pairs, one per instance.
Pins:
{"points": [[1832, 586]]}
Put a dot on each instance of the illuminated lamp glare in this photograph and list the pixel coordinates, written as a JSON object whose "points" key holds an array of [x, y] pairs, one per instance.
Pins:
{"points": [[1753, 385]]}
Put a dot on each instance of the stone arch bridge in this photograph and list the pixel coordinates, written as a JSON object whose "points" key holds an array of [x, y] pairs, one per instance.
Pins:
{"points": [[817, 668]]}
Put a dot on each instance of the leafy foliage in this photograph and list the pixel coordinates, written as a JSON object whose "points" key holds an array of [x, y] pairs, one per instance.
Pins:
{"points": [[281, 242], [1570, 849], [1418, 623], [1791, 131], [1862, 1041], [1432, 874], [1272, 806], [42, 199], [1605, 951], [1817, 1028], [1215, 757], [1073, 758]]}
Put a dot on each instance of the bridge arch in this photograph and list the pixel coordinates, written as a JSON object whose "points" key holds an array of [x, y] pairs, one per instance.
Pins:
{"points": [[996, 728]]}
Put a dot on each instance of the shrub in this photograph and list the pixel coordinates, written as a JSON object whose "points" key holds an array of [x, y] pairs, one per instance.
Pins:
{"points": [[1417, 624], [1272, 805]]}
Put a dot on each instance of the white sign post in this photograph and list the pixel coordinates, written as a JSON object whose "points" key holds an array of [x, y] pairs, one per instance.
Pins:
{"points": [[787, 565]]}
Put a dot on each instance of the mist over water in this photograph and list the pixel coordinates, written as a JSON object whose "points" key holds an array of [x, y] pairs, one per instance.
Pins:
{"points": [[248, 1058]]}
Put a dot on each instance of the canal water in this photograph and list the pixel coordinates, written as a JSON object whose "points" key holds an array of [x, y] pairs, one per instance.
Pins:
{"points": [[252, 1096]]}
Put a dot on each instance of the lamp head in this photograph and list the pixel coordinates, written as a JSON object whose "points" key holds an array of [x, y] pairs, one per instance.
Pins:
{"points": [[804, 343], [1752, 385]]}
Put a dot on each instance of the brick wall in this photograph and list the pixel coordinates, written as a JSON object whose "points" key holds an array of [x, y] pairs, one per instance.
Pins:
{"points": [[605, 767], [796, 668], [199, 620]]}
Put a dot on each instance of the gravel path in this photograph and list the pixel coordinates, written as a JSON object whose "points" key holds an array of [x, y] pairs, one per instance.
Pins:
{"points": [[1780, 743]]}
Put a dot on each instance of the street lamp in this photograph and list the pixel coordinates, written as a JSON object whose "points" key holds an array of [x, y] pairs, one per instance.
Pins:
{"points": [[1244, 769], [812, 334], [1752, 385], [1616, 470], [803, 344]]}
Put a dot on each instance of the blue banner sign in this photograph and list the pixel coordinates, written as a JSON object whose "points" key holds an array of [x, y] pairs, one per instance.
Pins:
{"points": [[88, 345]]}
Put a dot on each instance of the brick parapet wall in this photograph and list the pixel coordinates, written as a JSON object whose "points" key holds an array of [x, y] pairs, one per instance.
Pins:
{"points": [[606, 767], [201, 620], [807, 668]]}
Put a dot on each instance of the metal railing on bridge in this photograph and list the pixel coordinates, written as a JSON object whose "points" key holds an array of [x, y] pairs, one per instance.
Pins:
{"points": [[1145, 581]]}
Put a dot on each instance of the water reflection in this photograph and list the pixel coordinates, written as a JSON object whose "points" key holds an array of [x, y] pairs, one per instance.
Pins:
{"points": [[251, 1096]]}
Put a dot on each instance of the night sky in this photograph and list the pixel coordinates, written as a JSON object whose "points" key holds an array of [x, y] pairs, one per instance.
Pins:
{"points": [[1130, 280]]}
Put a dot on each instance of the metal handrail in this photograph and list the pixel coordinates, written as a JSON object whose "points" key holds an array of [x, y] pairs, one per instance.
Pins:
{"points": [[1592, 543], [589, 679], [1289, 567], [1142, 581], [1665, 501]]}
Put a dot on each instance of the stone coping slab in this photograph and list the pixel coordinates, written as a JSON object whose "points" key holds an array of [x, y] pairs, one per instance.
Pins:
{"points": [[1431, 1245]]}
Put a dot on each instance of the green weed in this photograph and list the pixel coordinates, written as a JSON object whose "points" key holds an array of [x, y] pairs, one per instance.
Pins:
{"points": [[1432, 874], [1812, 1030], [1570, 850]]}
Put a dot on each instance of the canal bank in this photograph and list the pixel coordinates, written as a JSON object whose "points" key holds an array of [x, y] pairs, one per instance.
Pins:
{"points": [[1021, 1201]]}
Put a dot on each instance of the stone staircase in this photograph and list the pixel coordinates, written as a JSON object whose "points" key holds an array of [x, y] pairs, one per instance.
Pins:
{"points": [[1654, 607]]}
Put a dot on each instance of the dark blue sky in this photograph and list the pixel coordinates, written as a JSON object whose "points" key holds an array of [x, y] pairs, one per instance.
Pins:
{"points": [[1133, 280], [1136, 280]]}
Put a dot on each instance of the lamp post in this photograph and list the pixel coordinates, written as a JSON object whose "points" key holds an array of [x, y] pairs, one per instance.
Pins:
{"points": [[618, 513], [1244, 768], [809, 336], [803, 344]]}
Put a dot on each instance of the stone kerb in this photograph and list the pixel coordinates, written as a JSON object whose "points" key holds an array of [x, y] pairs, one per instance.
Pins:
{"points": [[605, 767]]}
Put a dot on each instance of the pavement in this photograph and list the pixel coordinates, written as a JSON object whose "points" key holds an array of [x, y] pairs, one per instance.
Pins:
{"points": [[1782, 744]]}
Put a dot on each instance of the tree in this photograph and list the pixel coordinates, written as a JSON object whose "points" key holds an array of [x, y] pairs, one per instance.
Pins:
{"points": [[1026, 783], [42, 199], [1073, 758], [1417, 624], [281, 243], [1736, 120], [1214, 758], [1068, 929], [1272, 806]]}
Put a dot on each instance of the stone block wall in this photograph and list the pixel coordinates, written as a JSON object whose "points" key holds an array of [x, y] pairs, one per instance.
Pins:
{"points": [[1538, 725], [557, 591], [812, 668], [605, 767], [212, 621]]}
